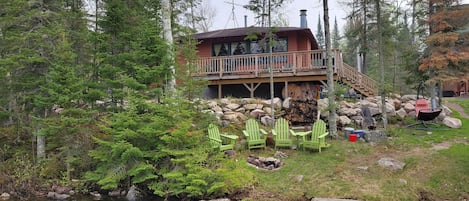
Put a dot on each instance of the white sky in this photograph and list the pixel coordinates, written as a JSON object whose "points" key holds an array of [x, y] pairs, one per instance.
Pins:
{"points": [[224, 18]]}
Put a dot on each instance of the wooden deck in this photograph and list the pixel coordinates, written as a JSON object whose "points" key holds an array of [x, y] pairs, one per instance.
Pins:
{"points": [[287, 67]]}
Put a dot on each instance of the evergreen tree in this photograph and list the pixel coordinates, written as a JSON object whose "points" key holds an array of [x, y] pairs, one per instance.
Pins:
{"points": [[320, 34], [335, 35], [262, 8]]}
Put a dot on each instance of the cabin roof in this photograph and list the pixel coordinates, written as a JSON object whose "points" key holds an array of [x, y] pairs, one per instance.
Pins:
{"points": [[244, 31]]}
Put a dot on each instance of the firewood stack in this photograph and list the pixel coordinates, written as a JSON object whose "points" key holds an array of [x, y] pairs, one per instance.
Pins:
{"points": [[302, 112], [303, 107]]}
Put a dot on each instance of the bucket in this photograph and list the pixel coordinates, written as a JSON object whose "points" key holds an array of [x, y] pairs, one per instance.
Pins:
{"points": [[347, 131], [360, 133], [352, 137]]}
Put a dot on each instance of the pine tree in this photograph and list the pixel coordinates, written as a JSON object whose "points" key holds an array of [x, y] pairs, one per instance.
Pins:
{"points": [[320, 34], [335, 35]]}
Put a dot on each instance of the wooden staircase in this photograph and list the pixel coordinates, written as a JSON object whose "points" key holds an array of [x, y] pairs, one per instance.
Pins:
{"points": [[358, 81]]}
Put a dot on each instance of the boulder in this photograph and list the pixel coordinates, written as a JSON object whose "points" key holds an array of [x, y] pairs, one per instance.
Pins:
{"points": [[230, 116], [375, 136], [267, 110], [286, 103], [224, 101], [57, 196], [212, 104], [232, 106], [250, 106], [452, 122], [240, 110], [277, 103], [132, 193], [391, 164], [267, 120], [257, 113], [446, 110], [5, 196], [409, 107], [374, 111], [217, 108], [344, 120], [401, 113], [406, 98]]}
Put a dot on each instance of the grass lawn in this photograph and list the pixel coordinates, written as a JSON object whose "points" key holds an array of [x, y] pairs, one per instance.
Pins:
{"points": [[437, 168]]}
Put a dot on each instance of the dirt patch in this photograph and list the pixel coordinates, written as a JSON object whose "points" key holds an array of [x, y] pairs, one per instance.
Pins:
{"points": [[458, 108]]}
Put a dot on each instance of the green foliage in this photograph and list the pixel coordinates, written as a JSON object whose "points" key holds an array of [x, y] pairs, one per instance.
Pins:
{"points": [[162, 148]]}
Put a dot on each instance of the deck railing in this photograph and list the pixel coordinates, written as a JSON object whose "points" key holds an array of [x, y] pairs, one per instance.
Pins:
{"points": [[296, 63], [299, 61]]}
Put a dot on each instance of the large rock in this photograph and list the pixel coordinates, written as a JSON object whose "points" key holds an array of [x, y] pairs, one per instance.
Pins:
{"points": [[224, 101], [409, 107], [406, 98], [286, 103], [257, 113], [401, 113], [446, 110], [277, 103], [250, 106], [230, 116], [57, 196], [344, 120], [391, 164], [348, 111], [452, 122], [232, 106], [5, 196], [212, 104], [132, 193], [375, 136], [267, 120], [375, 111]]}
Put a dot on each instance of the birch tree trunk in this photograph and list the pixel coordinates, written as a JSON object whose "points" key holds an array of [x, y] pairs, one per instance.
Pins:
{"points": [[330, 74], [168, 36], [381, 65]]}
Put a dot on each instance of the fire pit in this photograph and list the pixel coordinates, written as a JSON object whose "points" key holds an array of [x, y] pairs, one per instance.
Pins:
{"points": [[269, 163]]}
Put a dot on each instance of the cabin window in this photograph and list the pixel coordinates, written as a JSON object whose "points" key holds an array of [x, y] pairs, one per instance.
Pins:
{"points": [[280, 45], [238, 48], [251, 47], [262, 46], [221, 49]]}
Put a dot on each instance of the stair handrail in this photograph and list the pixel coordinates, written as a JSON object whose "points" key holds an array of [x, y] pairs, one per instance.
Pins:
{"points": [[365, 84]]}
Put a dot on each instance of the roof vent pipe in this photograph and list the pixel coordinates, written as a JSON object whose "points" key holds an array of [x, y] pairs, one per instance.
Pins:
{"points": [[303, 22], [245, 21]]}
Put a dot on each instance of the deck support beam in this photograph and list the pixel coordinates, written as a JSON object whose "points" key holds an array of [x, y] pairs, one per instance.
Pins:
{"points": [[219, 91], [251, 88]]}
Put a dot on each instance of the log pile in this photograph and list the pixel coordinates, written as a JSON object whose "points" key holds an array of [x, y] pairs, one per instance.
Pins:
{"points": [[303, 103], [302, 112]]}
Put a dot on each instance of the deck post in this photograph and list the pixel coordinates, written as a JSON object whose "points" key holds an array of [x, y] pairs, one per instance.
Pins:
{"points": [[257, 65], [294, 63], [286, 90], [219, 91]]}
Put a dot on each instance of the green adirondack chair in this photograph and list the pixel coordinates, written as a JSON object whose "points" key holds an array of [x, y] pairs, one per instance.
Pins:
{"points": [[219, 141], [282, 134], [256, 137], [317, 139]]}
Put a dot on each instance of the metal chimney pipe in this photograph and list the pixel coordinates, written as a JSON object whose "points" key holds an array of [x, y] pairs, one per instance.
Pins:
{"points": [[303, 22], [245, 21]]}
